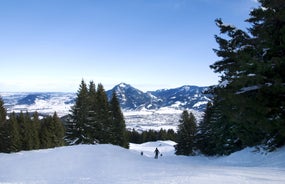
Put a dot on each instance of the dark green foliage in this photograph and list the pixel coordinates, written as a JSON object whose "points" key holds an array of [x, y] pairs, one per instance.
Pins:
{"points": [[14, 143], [3, 112], [151, 135], [206, 139], [22, 132], [94, 120], [46, 134], [10, 137], [134, 136], [269, 32], [103, 115], [77, 126], [58, 131], [248, 105], [52, 132], [93, 129], [186, 134], [2, 123], [118, 130], [36, 125], [25, 131]]}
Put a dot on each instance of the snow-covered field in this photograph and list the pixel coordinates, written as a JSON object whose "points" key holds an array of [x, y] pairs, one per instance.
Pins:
{"points": [[48, 103], [97, 164], [165, 118]]}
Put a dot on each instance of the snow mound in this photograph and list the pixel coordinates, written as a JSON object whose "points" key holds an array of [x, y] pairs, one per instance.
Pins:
{"points": [[255, 158], [92, 164], [166, 148]]}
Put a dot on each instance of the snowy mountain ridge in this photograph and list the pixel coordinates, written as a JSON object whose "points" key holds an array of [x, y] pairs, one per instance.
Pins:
{"points": [[184, 97], [142, 110]]}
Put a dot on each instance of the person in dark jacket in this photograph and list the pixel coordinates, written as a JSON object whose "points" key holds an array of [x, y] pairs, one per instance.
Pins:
{"points": [[156, 152]]}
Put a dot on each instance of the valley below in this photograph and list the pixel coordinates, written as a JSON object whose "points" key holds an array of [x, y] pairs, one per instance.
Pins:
{"points": [[142, 110]]}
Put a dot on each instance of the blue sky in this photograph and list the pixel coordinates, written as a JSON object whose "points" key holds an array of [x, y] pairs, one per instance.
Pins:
{"points": [[50, 45]]}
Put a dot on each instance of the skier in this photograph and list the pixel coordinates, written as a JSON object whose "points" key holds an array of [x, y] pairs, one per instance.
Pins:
{"points": [[156, 151]]}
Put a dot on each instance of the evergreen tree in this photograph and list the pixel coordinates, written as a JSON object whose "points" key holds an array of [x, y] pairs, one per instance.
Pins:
{"points": [[134, 137], [11, 140], [94, 120], [3, 112], [57, 130], [94, 127], [205, 135], [186, 134], [2, 123], [4, 138], [119, 136], [248, 103], [76, 128], [268, 32], [52, 132], [46, 137], [104, 121], [25, 127], [35, 128]]}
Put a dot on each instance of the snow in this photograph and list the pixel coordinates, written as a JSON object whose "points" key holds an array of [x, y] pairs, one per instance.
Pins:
{"points": [[224, 84], [247, 89], [142, 119], [198, 104], [56, 102], [165, 118], [112, 164]]}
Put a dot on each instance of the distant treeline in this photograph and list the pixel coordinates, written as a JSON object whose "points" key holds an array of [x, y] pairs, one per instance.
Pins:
{"points": [[24, 132], [151, 135]]}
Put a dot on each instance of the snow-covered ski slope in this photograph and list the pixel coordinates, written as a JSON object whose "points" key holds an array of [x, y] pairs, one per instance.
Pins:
{"points": [[105, 164]]}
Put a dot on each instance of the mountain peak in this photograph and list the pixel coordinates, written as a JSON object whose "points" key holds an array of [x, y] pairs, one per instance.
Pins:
{"points": [[130, 98], [123, 85], [184, 97]]}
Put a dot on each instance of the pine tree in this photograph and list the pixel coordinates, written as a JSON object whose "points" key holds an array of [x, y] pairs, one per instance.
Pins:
{"points": [[94, 120], [5, 137], [134, 137], [46, 138], [2, 123], [268, 32], [206, 136], [3, 112], [119, 135], [76, 128], [94, 127], [104, 121], [57, 130], [12, 137], [186, 134], [35, 128], [25, 131], [247, 106]]}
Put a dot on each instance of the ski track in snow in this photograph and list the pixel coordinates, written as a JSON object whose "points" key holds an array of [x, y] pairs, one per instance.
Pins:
{"points": [[92, 164]]}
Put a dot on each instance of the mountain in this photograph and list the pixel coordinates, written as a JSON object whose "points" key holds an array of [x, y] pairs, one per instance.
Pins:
{"points": [[185, 97], [142, 110], [129, 97], [43, 102]]}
